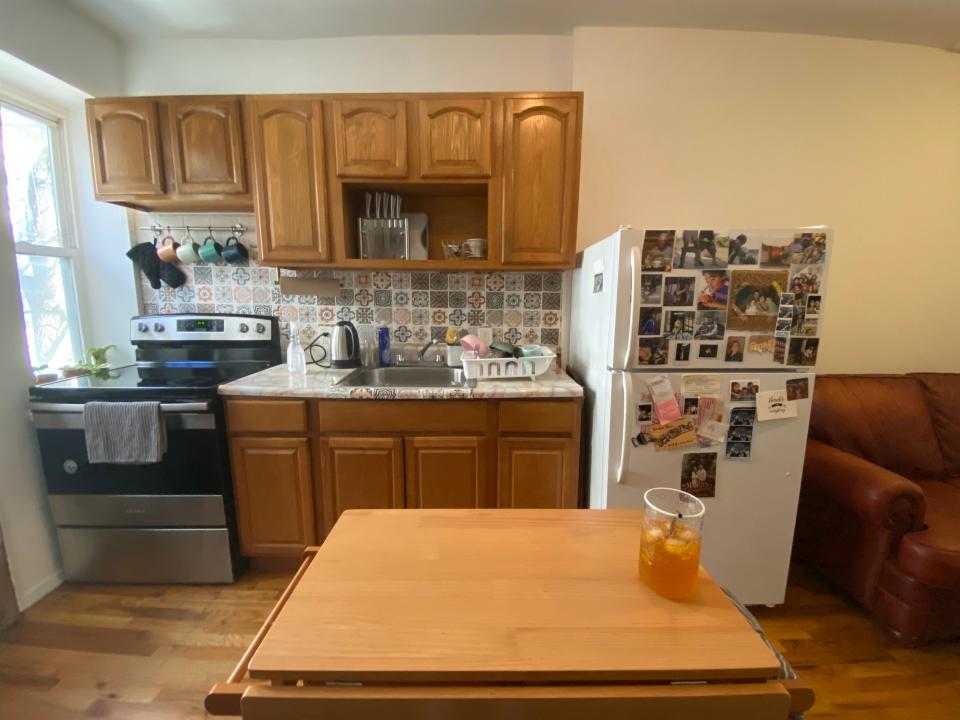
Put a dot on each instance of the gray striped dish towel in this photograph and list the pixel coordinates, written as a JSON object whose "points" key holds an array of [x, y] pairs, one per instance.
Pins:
{"points": [[127, 433]]}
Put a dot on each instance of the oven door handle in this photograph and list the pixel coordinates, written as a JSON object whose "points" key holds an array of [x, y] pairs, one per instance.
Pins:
{"points": [[185, 407]]}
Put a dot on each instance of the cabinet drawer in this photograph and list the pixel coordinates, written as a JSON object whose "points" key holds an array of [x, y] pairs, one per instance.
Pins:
{"points": [[402, 416], [273, 416], [539, 416]]}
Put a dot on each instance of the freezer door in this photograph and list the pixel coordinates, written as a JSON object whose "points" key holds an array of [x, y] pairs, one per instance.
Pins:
{"points": [[748, 529]]}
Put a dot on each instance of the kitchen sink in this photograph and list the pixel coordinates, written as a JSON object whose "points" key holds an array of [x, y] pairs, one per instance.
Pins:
{"points": [[411, 376]]}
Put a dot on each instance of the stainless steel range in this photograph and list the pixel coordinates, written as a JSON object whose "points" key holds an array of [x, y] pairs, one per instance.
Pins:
{"points": [[171, 521]]}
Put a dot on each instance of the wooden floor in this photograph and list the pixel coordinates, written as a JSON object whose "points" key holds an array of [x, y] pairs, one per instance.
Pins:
{"points": [[152, 652]]}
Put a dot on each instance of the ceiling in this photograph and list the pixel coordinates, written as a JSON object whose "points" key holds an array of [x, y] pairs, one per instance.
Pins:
{"points": [[922, 22]]}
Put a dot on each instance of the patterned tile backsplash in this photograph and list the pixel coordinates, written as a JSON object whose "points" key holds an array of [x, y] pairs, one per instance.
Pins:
{"points": [[521, 307]]}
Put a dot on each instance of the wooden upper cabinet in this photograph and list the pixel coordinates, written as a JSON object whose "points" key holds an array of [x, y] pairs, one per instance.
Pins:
{"points": [[455, 137], [207, 146], [274, 495], [286, 138], [125, 147], [371, 137], [537, 473], [446, 472], [541, 152], [361, 472]]}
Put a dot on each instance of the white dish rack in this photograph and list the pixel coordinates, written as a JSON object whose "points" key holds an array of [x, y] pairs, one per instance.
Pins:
{"points": [[491, 368]]}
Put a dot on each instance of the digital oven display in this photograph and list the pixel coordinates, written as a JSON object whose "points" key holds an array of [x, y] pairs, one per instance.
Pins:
{"points": [[200, 325]]}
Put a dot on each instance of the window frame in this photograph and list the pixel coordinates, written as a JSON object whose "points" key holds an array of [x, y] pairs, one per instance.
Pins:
{"points": [[55, 118]]}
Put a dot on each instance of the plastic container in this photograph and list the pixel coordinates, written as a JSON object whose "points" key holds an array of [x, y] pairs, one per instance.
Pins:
{"points": [[488, 368], [670, 543]]}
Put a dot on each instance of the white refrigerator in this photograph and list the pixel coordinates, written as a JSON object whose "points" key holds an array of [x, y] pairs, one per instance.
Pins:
{"points": [[739, 310]]}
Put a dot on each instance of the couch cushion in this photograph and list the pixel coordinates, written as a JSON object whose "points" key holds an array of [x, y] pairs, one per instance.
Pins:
{"points": [[933, 555], [943, 400], [881, 418]]}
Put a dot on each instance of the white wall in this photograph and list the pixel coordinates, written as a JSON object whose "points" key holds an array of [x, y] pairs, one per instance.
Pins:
{"points": [[53, 36], [353, 64], [715, 128]]}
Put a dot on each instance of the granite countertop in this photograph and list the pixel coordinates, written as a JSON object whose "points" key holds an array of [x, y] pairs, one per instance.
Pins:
{"points": [[320, 383]]}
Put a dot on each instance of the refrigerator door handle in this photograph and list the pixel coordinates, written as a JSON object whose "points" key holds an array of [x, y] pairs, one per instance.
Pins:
{"points": [[627, 380], [635, 267]]}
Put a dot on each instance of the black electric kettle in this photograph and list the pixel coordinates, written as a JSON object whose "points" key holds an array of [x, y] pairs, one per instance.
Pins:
{"points": [[344, 346]]}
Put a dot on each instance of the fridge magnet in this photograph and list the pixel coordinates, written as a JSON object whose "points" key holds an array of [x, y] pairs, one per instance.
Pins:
{"points": [[809, 248], [698, 474], [712, 432], [597, 283], [701, 384], [776, 255], [711, 408], [710, 325], [786, 299], [780, 349], [666, 407], [708, 351], [679, 324], [755, 299], [810, 327], [677, 434], [651, 319], [691, 406], [682, 352], [742, 416], [782, 328], [645, 413], [653, 351], [734, 352], [704, 248], [679, 291], [743, 390], [740, 434], [813, 305], [740, 250], [761, 344], [796, 325], [774, 405], [785, 312], [643, 437], [738, 451], [798, 389], [803, 351], [651, 288], [804, 281], [657, 252], [714, 290]]}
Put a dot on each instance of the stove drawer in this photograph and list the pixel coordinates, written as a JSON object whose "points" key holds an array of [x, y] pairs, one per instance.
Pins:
{"points": [[125, 555], [163, 511]]}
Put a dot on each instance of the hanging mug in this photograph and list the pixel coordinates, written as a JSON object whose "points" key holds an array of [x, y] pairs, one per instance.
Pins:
{"points": [[189, 251], [210, 250], [167, 251], [235, 253]]}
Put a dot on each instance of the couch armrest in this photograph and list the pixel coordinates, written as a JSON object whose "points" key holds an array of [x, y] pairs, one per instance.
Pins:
{"points": [[877, 495]]}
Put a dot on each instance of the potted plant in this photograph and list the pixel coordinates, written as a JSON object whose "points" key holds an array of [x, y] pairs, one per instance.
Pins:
{"points": [[98, 365]]}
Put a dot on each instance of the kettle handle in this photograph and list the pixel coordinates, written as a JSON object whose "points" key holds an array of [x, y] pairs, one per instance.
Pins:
{"points": [[353, 342]]}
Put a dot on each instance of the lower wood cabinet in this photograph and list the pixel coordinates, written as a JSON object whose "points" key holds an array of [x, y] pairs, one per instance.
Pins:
{"points": [[446, 472], [537, 473], [361, 472], [274, 494]]}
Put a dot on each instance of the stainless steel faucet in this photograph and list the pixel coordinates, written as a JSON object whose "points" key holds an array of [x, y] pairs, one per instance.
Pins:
{"points": [[423, 350]]}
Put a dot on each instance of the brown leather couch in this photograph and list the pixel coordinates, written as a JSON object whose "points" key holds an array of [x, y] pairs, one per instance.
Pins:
{"points": [[880, 501]]}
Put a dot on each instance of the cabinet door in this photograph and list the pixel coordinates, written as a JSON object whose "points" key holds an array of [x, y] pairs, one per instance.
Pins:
{"points": [[537, 473], [206, 140], [446, 472], [274, 495], [361, 472], [455, 138], [124, 147], [371, 137], [541, 157], [286, 136]]}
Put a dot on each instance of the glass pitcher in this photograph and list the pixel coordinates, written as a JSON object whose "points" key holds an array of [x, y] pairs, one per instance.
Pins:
{"points": [[670, 543]]}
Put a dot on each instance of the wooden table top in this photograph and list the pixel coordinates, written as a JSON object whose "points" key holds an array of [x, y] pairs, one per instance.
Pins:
{"points": [[499, 596]]}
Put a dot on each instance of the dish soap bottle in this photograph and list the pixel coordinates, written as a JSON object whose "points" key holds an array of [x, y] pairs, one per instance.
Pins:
{"points": [[296, 360]]}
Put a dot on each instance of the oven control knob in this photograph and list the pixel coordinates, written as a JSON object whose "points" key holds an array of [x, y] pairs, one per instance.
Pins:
{"points": [[261, 328], [142, 327], [70, 467], [158, 327], [244, 327]]}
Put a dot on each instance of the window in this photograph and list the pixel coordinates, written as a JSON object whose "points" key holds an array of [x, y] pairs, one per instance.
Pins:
{"points": [[37, 198]]}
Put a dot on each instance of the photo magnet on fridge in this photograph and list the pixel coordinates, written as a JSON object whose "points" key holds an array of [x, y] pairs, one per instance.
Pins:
{"points": [[677, 434], [740, 434], [651, 319], [710, 325], [774, 405], [714, 290], [679, 324], [679, 291], [776, 253], [813, 305], [738, 451], [704, 248], [698, 474], [803, 351], [742, 416], [691, 406], [645, 413], [761, 345], [798, 389], [708, 350], [653, 351], [809, 248], [755, 299], [734, 352], [743, 390], [741, 250], [804, 281], [682, 352], [651, 288], [657, 251]]}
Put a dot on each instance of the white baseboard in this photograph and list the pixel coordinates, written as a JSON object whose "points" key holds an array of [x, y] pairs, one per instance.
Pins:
{"points": [[39, 590]]}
